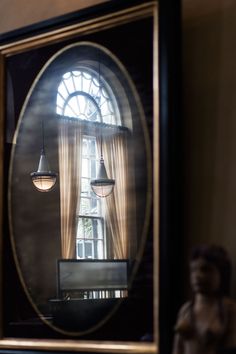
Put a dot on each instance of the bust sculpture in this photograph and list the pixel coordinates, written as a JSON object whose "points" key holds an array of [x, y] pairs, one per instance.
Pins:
{"points": [[207, 323]]}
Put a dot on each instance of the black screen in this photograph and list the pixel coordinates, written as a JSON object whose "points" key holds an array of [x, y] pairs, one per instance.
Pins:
{"points": [[92, 275]]}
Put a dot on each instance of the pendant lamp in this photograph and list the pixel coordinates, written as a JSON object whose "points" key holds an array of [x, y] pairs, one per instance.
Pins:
{"points": [[44, 180], [102, 186]]}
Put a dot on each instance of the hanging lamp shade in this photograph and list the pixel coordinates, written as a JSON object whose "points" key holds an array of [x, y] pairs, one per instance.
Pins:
{"points": [[44, 180], [102, 186]]}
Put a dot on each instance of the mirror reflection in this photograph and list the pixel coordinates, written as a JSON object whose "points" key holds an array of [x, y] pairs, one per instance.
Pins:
{"points": [[81, 173]]}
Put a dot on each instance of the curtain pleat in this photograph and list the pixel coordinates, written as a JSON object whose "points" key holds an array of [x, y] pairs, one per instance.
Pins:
{"points": [[118, 216], [70, 155]]}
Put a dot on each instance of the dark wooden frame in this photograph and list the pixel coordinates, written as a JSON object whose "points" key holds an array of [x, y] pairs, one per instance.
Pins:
{"points": [[167, 169]]}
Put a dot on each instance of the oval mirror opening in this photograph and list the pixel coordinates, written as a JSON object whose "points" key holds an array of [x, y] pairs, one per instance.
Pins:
{"points": [[81, 173]]}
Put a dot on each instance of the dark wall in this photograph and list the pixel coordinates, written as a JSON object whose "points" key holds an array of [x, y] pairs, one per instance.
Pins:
{"points": [[209, 74]]}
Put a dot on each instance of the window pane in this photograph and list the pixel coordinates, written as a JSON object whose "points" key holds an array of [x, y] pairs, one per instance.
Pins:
{"points": [[93, 168], [84, 206], [88, 228], [80, 249], [92, 244], [69, 112], [100, 229], [91, 111], [95, 228], [80, 229], [112, 119], [88, 247], [60, 101], [105, 111], [94, 90], [89, 206], [104, 93], [86, 82], [82, 104], [98, 99], [69, 83], [85, 168], [85, 186], [110, 106], [95, 210], [85, 147], [62, 89], [98, 249], [73, 103], [92, 147], [87, 76], [77, 80]]}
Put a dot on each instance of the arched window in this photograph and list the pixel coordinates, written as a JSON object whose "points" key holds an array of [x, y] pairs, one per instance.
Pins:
{"points": [[84, 96]]}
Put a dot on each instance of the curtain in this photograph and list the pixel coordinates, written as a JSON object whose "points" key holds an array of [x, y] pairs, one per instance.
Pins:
{"points": [[119, 217], [70, 155]]}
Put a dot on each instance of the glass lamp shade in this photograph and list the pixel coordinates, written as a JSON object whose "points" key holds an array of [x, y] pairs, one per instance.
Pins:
{"points": [[102, 186], [44, 180]]}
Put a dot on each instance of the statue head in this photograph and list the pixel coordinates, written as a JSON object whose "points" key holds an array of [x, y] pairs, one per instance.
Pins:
{"points": [[210, 269]]}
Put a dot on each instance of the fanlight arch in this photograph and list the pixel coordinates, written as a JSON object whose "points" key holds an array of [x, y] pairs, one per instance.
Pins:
{"points": [[84, 94]]}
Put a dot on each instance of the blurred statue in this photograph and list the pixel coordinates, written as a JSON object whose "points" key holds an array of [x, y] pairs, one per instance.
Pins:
{"points": [[207, 324]]}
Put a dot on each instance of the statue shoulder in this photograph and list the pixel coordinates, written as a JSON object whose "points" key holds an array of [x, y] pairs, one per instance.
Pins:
{"points": [[183, 324], [185, 309]]}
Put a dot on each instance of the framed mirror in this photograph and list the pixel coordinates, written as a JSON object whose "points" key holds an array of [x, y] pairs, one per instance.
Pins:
{"points": [[82, 182]]}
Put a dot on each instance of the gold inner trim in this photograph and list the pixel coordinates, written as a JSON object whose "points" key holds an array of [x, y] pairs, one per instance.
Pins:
{"points": [[2, 113], [72, 345], [156, 192]]}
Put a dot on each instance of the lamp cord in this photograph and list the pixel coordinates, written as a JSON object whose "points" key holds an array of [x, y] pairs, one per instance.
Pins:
{"points": [[101, 148], [43, 148], [100, 92]]}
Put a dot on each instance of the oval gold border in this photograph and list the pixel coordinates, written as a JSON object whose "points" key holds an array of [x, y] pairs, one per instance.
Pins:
{"points": [[149, 182]]}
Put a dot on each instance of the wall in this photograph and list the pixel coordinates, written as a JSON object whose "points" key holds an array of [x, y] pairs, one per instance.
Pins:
{"points": [[16, 14], [209, 86]]}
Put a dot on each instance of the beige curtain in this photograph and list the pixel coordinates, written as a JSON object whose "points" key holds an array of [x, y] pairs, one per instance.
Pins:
{"points": [[70, 155], [118, 217]]}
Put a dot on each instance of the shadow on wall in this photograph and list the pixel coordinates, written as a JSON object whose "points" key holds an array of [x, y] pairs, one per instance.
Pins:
{"points": [[209, 68]]}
